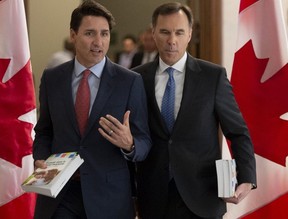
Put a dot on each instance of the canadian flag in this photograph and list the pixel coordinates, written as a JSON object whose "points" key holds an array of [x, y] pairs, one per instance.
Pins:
{"points": [[260, 82], [17, 112]]}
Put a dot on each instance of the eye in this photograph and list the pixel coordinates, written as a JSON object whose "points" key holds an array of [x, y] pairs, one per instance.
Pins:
{"points": [[105, 33], [180, 32], [89, 33], [166, 32]]}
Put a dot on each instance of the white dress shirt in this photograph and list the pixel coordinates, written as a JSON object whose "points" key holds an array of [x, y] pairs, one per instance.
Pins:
{"points": [[162, 77]]}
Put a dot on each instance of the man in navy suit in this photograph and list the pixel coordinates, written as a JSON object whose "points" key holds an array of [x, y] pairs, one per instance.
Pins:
{"points": [[178, 178], [116, 131]]}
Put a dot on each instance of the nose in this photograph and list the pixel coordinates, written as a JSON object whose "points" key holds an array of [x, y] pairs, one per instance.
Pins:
{"points": [[172, 39], [97, 39]]}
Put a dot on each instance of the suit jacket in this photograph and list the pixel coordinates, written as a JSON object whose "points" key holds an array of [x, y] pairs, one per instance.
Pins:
{"points": [[193, 146], [137, 59], [105, 176]]}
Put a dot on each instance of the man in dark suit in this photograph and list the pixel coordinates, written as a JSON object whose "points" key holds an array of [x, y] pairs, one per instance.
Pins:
{"points": [[116, 129], [129, 49], [178, 178], [149, 50]]}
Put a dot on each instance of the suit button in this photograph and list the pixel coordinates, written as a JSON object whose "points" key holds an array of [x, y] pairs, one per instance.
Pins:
{"points": [[170, 141]]}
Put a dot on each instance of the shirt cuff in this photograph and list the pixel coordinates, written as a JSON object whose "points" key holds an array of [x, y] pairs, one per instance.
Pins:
{"points": [[128, 154]]}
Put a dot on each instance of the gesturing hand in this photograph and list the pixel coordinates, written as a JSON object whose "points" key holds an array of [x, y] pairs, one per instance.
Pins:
{"points": [[117, 133]]}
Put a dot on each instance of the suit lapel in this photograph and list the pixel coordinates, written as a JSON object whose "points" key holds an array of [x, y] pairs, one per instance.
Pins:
{"points": [[104, 92], [149, 80], [191, 82], [67, 89], [149, 76]]}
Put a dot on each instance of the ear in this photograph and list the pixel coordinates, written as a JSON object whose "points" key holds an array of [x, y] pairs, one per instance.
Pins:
{"points": [[72, 35], [153, 33], [190, 34]]}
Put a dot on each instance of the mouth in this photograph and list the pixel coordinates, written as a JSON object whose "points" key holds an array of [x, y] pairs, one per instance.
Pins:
{"points": [[168, 51], [97, 51]]}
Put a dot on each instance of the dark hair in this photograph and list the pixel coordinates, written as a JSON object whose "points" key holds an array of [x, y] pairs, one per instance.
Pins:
{"points": [[88, 8], [68, 45], [171, 8], [130, 37]]}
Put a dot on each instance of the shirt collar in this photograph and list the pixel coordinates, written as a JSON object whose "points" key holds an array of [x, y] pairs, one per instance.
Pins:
{"points": [[178, 66], [96, 69]]}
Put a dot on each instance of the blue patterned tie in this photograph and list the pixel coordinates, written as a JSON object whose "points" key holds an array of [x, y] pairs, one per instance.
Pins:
{"points": [[168, 101]]}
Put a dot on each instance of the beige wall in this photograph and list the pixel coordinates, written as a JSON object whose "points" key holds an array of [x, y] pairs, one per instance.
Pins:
{"points": [[131, 17], [48, 26]]}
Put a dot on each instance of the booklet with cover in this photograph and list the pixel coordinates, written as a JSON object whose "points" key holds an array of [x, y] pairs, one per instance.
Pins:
{"points": [[50, 181], [226, 177]]}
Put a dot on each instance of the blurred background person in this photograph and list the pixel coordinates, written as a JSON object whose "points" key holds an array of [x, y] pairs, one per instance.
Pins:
{"points": [[149, 50], [129, 48], [64, 55]]}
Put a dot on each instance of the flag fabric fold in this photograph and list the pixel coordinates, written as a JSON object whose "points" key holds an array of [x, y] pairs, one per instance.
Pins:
{"points": [[17, 112], [259, 79]]}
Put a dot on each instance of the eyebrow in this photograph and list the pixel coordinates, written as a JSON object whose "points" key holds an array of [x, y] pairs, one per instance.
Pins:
{"points": [[177, 30], [93, 30]]}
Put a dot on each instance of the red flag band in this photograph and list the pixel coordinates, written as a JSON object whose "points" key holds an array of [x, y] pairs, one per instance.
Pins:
{"points": [[17, 112], [259, 79]]}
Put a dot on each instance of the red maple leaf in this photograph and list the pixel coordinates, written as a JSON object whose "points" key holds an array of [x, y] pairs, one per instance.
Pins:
{"points": [[262, 104], [245, 4], [17, 98]]}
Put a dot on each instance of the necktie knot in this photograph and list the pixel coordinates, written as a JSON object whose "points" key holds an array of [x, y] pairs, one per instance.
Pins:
{"points": [[170, 71], [86, 74]]}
